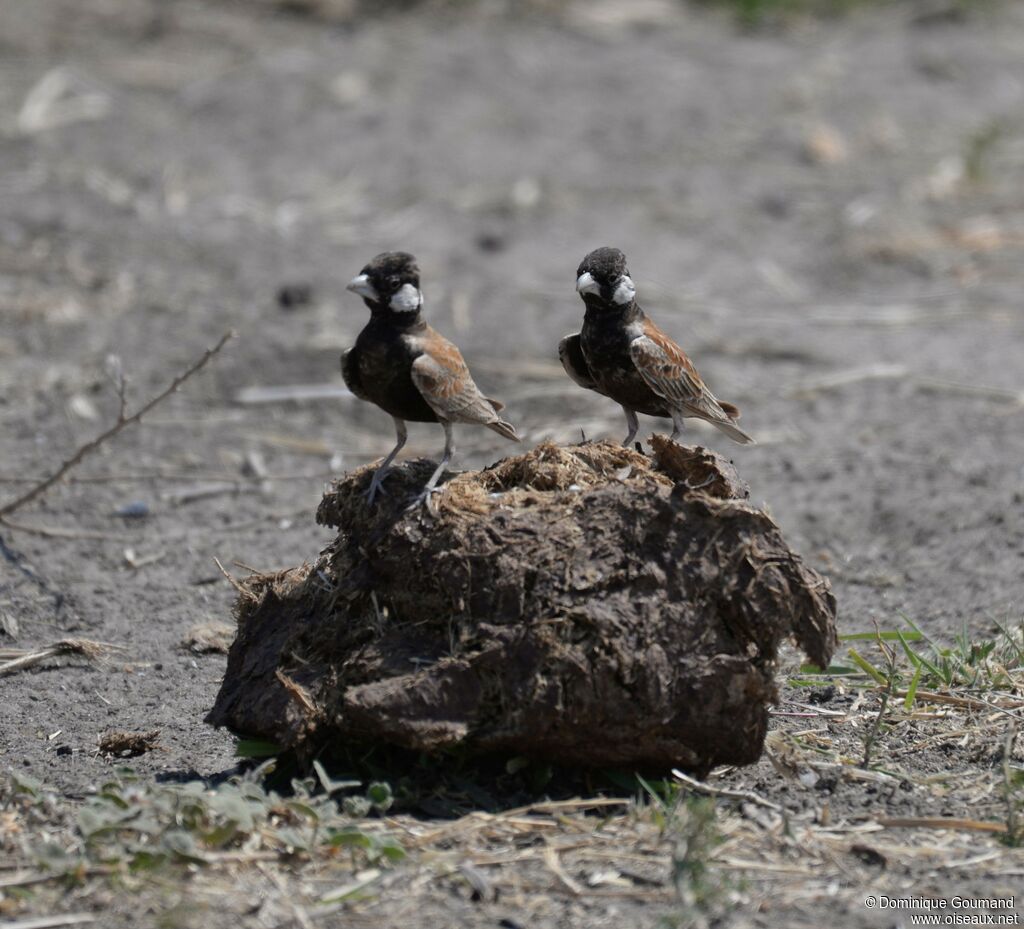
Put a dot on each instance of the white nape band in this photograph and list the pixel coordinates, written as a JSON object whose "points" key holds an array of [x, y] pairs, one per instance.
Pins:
{"points": [[361, 285], [624, 292], [406, 299], [585, 284]]}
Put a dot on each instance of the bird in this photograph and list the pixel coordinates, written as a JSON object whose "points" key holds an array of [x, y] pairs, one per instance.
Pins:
{"points": [[409, 369], [620, 353]]}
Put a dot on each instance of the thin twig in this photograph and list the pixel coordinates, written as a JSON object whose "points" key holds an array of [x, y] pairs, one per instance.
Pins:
{"points": [[703, 788], [972, 703], [247, 594], [48, 922], [555, 866], [939, 822], [121, 423], [86, 647], [295, 691]]}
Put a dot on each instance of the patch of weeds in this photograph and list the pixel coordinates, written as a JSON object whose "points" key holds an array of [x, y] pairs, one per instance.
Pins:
{"points": [[665, 799], [996, 663], [919, 681], [696, 836], [965, 666], [690, 824], [888, 678], [132, 827]]}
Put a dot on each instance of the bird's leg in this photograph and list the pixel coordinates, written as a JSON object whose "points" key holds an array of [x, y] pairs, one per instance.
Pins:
{"points": [[677, 425], [431, 486], [385, 465], [632, 424]]}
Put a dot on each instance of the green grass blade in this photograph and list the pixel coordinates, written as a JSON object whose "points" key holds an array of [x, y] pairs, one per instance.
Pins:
{"points": [[867, 667], [832, 669], [908, 703], [887, 636]]}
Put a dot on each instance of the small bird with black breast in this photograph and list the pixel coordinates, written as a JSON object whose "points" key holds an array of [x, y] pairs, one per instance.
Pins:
{"points": [[408, 369], [623, 355]]}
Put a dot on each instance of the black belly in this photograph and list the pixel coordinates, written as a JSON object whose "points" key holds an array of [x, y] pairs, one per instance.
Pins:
{"points": [[606, 350], [385, 373]]}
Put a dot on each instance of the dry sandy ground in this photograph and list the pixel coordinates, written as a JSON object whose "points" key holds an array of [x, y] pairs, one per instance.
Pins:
{"points": [[830, 218]]}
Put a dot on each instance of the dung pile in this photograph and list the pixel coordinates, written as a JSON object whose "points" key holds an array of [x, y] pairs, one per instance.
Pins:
{"points": [[583, 605]]}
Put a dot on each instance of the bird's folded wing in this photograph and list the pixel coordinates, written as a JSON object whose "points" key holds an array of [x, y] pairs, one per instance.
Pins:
{"points": [[571, 355], [350, 373], [671, 375], [441, 375]]}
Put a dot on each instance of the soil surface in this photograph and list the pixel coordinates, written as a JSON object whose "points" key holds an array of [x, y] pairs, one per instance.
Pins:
{"points": [[829, 218]]}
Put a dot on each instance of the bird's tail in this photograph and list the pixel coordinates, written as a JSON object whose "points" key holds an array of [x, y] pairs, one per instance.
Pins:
{"points": [[732, 431], [506, 429]]}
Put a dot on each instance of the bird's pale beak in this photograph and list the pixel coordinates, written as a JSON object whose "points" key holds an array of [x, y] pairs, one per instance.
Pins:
{"points": [[361, 285], [585, 284]]}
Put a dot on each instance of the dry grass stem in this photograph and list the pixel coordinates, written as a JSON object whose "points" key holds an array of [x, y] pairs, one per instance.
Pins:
{"points": [[19, 659], [748, 795]]}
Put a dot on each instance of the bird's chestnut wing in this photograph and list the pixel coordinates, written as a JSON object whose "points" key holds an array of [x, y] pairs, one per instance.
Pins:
{"points": [[442, 376], [672, 376]]}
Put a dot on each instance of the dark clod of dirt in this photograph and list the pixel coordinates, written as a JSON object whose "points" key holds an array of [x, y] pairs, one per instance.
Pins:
{"points": [[822, 695], [128, 744], [582, 605]]}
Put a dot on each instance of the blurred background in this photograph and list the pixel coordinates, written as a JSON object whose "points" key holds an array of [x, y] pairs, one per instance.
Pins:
{"points": [[822, 202]]}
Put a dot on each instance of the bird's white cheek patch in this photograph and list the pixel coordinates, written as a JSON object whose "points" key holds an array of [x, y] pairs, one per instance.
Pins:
{"points": [[407, 299], [625, 292]]}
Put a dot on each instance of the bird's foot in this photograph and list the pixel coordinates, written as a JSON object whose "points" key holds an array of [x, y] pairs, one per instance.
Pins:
{"points": [[376, 487], [424, 499], [704, 483]]}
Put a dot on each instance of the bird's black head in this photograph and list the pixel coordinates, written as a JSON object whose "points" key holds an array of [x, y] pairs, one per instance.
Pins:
{"points": [[390, 281], [603, 280]]}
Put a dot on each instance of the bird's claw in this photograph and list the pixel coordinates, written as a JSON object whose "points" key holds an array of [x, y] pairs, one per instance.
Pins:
{"points": [[376, 487], [423, 499]]}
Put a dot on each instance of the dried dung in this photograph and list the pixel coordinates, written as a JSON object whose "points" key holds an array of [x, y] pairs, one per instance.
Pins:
{"points": [[203, 638], [128, 744], [584, 605]]}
